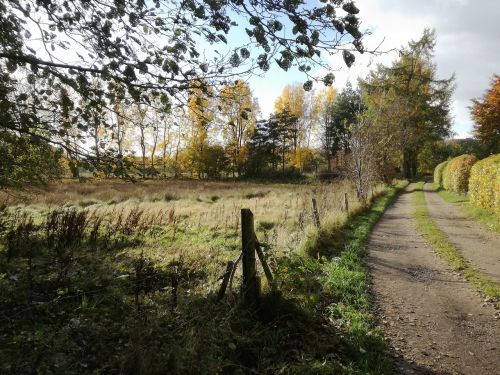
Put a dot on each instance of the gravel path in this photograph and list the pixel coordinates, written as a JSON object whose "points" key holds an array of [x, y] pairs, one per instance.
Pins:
{"points": [[478, 245], [435, 322]]}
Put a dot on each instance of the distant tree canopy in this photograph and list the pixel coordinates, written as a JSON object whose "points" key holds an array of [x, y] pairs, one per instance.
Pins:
{"points": [[486, 114], [76, 58]]}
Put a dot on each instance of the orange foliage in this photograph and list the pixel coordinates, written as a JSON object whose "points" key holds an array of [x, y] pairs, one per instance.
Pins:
{"points": [[486, 114]]}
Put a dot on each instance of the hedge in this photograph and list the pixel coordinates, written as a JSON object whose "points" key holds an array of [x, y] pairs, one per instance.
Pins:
{"points": [[438, 173], [484, 183], [456, 173]]}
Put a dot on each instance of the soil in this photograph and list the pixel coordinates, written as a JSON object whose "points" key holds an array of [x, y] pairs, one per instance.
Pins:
{"points": [[434, 321], [479, 246]]}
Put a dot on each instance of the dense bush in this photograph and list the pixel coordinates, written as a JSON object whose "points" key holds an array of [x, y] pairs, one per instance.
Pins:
{"points": [[484, 183], [438, 173], [456, 173]]}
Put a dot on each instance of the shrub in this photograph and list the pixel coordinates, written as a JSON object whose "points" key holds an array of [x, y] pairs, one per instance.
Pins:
{"points": [[456, 173], [438, 173], [484, 183]]}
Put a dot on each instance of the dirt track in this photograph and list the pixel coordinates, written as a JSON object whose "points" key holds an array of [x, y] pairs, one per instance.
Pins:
{"points": [[435, 321], [478, 245]]}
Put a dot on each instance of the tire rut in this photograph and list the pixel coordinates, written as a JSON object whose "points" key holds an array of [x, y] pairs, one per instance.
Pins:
{"points": [[477, 245], [434, 320]]}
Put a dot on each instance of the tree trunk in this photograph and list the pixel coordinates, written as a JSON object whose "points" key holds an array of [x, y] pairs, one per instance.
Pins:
{"points": [[283, 162], [414, 165], [409, 164]]}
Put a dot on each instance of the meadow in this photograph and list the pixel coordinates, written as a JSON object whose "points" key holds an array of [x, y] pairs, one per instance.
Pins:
{"points": [[98, 275]]}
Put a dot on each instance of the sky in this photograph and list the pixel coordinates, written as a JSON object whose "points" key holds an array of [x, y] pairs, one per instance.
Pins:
{"points": [[468, 45]]}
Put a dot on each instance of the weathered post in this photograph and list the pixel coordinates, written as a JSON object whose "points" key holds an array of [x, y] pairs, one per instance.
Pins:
{"points": [[346, 203], [251, 284], [315, 213]]}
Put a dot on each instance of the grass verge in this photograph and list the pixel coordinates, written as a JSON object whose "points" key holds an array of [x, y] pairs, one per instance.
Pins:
{"points": [[345, 291], [347, 278], [486, 217], [440, 243]]}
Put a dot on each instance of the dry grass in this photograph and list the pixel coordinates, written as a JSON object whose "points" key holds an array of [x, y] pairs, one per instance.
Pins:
{"points": [[282, 211], [195, 220]]}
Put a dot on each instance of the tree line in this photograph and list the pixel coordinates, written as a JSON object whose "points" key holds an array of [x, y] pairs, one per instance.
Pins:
{"points": [[144, 100], [80, 60]]}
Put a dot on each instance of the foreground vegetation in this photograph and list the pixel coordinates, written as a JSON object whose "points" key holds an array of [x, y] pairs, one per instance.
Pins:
{"points": [[123, 278], [442, 245]]}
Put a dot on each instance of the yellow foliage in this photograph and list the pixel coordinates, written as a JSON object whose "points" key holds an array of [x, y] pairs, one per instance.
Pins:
{"points": [[484, 183], [293, 98], [456, 173], [438, 173], [302, 158], [200, 112], [239, 111]]}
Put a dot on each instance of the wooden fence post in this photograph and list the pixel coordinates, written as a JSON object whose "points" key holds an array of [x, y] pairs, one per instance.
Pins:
{"points": [[346, 203], [251, 284], [315, 213]]}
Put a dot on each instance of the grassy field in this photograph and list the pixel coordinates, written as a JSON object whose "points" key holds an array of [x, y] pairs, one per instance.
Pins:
{"points": [[121, 277]]}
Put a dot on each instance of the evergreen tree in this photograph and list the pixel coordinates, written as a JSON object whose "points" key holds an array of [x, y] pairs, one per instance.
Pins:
{"points": [[408, 103]]}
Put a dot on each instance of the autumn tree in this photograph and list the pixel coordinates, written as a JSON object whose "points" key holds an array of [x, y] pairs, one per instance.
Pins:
{"points": [[292, 104], [312, 113], [486, 114], [179, 136], [283, 130], [140, 119], [166, 143], [361, 167], [155, 137], [71, 134], [238, 110], [409, 102], [122, 124], [201, 114], [25, 159], [340, 117], [385, 113], [96, 118]]}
